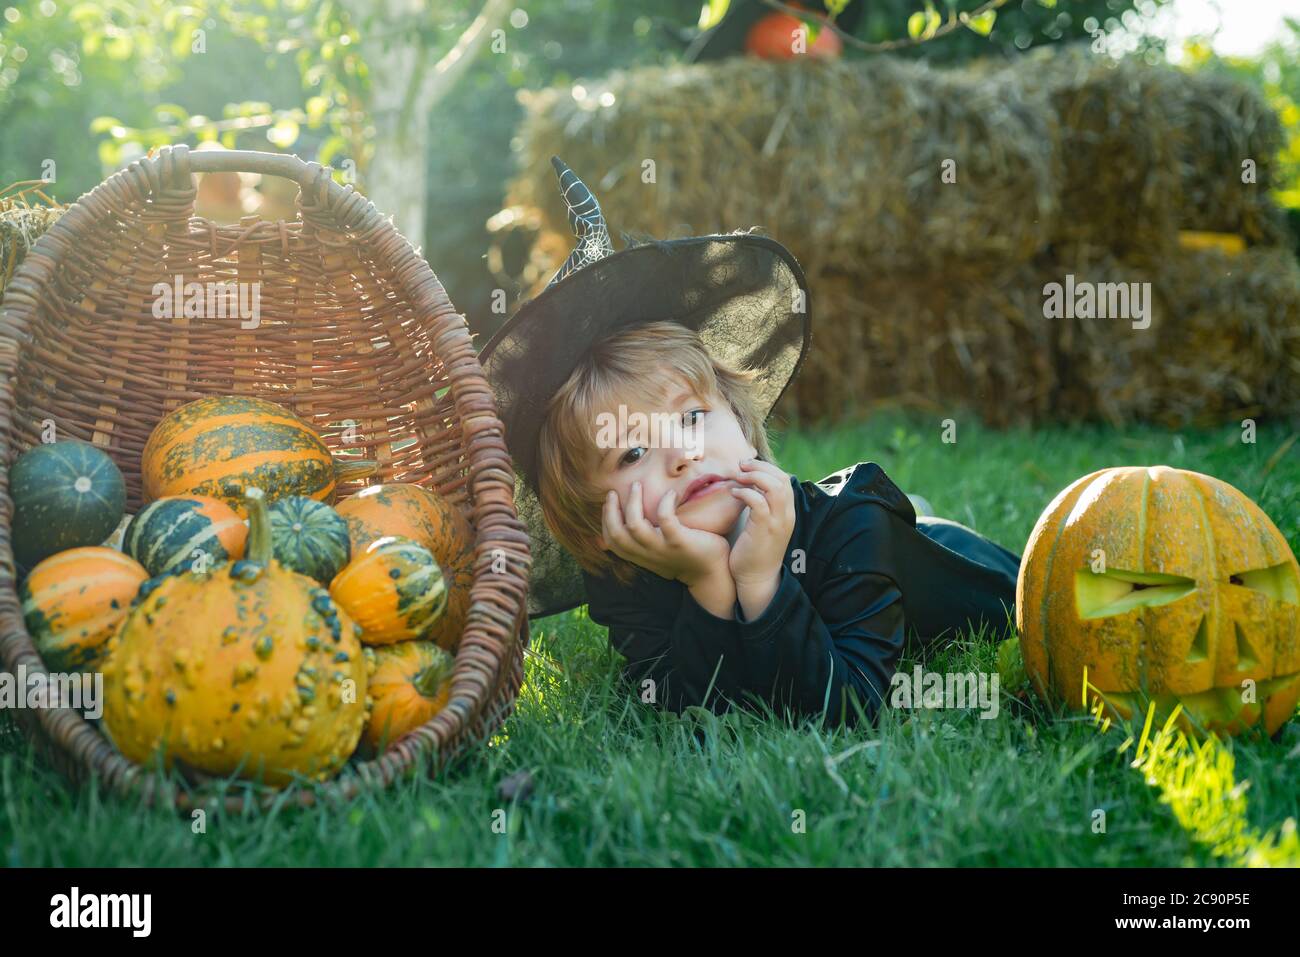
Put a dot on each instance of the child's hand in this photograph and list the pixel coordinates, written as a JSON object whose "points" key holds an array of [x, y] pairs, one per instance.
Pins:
{"points": [[672, 550], [756, 556]]}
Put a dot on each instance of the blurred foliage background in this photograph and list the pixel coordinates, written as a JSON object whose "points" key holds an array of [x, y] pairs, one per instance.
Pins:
{"points": [[92, 85]]}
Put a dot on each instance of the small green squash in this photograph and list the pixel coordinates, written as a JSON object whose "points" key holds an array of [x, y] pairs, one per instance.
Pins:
{"points": [[66, 495], [185, 532], [309, 537]]}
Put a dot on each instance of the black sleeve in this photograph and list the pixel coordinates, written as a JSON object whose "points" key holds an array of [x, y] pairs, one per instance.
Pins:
{"points": [[808, 657], [691, 656]]}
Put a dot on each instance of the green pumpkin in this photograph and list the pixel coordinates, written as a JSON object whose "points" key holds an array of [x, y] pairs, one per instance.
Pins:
{"points": [[185, 532], [309, 537], [66, 495]]}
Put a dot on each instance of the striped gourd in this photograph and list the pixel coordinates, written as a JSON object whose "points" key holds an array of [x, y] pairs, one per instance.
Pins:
{"points": [[72, 603], [184, 532], [394, 590], [415, 512], [310, 537], [220, 445]]}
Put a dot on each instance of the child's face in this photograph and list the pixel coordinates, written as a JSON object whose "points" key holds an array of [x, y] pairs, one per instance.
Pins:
{"points": [[668, 445]]}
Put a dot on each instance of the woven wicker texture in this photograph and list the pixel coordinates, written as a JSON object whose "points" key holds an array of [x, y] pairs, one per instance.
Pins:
{"points": [[355, 334]]}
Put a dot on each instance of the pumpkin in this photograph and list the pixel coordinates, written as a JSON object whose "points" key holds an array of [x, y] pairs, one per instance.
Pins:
{"points": [[414, 512], [244, 668], [221, 445], [184, 531], [66, 495], [773, 38], [310, 537], [411, 684], [72, 603], [1168, 586], [394, 590]]}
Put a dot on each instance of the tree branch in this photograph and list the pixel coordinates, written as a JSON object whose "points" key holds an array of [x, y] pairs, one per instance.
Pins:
{"points": [[426, 91], [955, 21]]}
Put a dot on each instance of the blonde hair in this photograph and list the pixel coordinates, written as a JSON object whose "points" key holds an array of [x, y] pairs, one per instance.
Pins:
{"points": [[645, 361]]}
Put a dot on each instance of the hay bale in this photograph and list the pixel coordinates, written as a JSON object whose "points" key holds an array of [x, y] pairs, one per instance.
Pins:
{"points": [[1228, 337], [841, 161], [1102, 362], [1222, 122], [934, 343], [1120, 185], [21, 224], [1223, 341], [1151, 149]]}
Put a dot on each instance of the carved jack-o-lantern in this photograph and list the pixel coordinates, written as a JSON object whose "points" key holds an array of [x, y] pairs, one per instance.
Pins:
{"points": [[1170, 586]]}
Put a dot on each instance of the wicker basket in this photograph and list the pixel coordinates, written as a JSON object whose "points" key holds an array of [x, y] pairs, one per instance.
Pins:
{"points": [[357, 336]]}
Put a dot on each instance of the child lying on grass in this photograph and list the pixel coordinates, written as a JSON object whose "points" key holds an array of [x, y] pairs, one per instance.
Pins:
{"points": [[723, 579]]}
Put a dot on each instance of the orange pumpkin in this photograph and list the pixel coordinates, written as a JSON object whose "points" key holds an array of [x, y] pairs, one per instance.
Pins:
{"points": [[73, 601], [414, 512], [774, 38], [221, 445], [394, 590], [410, 685], [1168, 586]]}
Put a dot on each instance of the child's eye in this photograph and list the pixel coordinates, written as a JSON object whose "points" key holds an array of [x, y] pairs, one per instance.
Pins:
{"points": [[628, 461], [701, 412]]}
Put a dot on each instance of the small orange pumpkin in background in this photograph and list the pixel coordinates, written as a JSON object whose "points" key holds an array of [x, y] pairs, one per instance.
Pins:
{"points": [[410, 685], [774, 37], [1168, 586], [73, 601], [412, 511]]}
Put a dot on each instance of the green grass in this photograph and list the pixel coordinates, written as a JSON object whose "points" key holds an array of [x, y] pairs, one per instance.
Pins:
{"points": [[615, 783]]}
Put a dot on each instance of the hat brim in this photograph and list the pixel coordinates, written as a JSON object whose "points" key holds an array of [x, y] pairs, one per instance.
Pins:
{"points": [[744, 294]]}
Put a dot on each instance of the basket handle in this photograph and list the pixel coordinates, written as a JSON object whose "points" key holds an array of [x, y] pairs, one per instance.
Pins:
{"points": [[173, 164], [251, 161]]}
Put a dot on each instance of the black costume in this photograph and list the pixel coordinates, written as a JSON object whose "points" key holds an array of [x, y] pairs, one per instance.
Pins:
{"points": [[836, 625]]}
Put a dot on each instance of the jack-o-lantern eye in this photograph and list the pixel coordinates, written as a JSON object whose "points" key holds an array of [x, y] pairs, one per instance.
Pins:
{"points": [[1115, 591], [1277, 582]]}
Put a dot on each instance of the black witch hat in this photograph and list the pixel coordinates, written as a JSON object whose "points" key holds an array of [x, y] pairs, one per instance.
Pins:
{"points": [[743, 293]]}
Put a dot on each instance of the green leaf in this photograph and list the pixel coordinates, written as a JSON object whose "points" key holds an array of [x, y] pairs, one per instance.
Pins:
{"points": [[102, 124], [982, 24], [932, 22], [332, 147], [712, 13], [283, 133], [172, 111], [916, 25], [1049, 4]]}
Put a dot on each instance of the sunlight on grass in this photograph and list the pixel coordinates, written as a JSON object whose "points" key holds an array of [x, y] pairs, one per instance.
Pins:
{"points": [[1196, 781]]}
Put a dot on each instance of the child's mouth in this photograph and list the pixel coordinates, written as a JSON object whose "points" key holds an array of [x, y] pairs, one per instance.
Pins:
{"points": [[711, 486]]}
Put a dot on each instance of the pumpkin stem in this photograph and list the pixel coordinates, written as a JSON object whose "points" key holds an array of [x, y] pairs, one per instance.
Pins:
{"points": [[259, 526], [430, 679], [347, 468]]}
